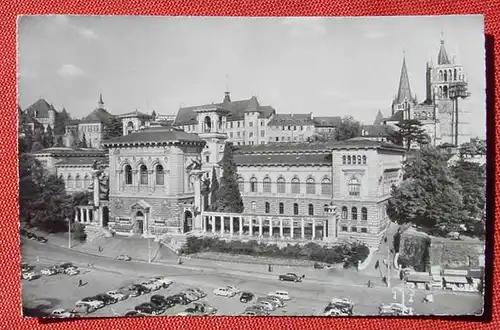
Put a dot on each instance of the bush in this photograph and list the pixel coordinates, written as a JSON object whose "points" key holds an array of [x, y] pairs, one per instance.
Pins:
{"points": [[348, 253], [78, 231], [414, 249]]}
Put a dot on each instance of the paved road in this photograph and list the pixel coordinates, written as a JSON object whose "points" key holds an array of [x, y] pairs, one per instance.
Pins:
{"points": [[308, 298]]}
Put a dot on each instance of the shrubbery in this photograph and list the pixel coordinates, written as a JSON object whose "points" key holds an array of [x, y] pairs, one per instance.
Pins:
{"points": [[78, 231], [347, 253], [414, 251]]}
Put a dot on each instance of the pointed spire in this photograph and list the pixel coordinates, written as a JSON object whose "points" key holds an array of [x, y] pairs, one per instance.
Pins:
{"points": [[404, 91], [443, 55], [100, 104], [227, 97], [379, 118]]}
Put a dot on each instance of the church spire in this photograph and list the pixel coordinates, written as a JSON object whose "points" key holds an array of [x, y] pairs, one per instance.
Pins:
{"points": [[404, 91], [379, 118], [443, 55], [100, 104]]}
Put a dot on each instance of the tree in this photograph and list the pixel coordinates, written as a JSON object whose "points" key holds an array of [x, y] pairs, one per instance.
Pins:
{"points": [[324, 136], [83, 142], [48, 138], [60, 142], [113, 128], [228, 197], [61, 120], [37, 140], [348, 128], [475, 147], [410, 131], [472, 179], [429, 196], [214, 187]]}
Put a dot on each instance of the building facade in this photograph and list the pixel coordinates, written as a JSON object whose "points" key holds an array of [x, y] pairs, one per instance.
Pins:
{"points": [[92, 126], [42, 112]]}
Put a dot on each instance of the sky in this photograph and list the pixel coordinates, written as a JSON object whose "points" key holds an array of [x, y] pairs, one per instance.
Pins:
{"points": [[327, 66]]}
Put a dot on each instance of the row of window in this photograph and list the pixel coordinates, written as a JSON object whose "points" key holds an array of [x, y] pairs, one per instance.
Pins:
{"points": [[293, 128], [445, 75], [354, 229], [77, 182], [354, 213], [281, 208], [288, 138], [354, 159], [143, 175], [90, 128], [326, 185]]}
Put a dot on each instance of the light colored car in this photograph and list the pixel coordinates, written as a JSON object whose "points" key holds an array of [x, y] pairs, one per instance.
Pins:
{"points": [[269, 300], [117, 295], [234, 289], [163, 280], [190, 295], [123, 257], [72, 271], [199, 292], [153, 285], [224, 292], [266, 304], [185, 314], [28, 276], [62, 313], [342, 301], [395, 309], [92, 302], [283, 295], [335, 312], [49, 272], [84, 308], [278, 300]]}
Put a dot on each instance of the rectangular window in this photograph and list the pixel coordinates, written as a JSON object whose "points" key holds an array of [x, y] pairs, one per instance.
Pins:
{"points": [[208, 159], [238, 124], [238, 134], [262, 133], [277, 139], [364, 230], [231, 124], [250, 134], [250, 124], [230, 134], [344, 228], [354, 229]]}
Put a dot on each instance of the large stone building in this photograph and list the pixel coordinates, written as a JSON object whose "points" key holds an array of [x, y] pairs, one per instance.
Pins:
{"points": [[41, 112], [92, 126], [442, 118]]}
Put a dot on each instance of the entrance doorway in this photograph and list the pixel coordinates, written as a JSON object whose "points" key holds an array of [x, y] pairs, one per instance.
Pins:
{"points": [[139, 220], [105, 216], [188, 221]]}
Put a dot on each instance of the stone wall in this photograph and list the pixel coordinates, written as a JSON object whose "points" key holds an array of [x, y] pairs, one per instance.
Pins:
{"points": [[450, 254]]}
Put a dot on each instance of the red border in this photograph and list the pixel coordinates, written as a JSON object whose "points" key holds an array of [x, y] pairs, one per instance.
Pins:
{"points": [[9, 285]]}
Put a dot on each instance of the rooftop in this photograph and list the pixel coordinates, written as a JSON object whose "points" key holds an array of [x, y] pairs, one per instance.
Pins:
{"points": [[39, 109], [97, 116], [280, 159], [327, 121], [135, 113], [80, 161], [64, 151], [155, 135], [293, 119]]}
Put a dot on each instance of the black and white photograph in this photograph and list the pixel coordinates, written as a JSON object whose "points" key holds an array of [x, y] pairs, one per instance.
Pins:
{"points": [[239, 166]]}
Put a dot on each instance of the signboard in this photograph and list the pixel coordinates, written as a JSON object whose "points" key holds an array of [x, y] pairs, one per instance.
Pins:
{"points": [[456, 272]]}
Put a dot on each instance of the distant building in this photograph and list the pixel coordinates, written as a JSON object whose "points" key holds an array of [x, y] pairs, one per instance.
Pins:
{"points": [[41, 112], [93, 125]]}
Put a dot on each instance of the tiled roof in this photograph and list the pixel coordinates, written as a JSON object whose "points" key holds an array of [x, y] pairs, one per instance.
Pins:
{"points": [[327, 121], [187, 115], [97, 116], [397, 116], [81, 161], [155, 135], [57, 151], [294, 119], [377, 130], [443, 55], [73, 122], [379, 118], [404, 90], [135, 113], [280, 159], [39, 109]]}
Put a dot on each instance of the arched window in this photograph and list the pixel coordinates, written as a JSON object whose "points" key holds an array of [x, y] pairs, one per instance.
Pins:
{"points": [[267, 184], [349, 159], [455, 74], [344, 160], [160, 175], [78, 181], [354, 187], [326, 187], [445, 75], [310, 186], [440, 91], [241, 184], [281, 208], [364, 214], [445, 92], [354, 160], [130, 127], [364, 159], [281, 185], [143, 171], [128, 174], [311, 209], [253, 184], [359, 159], [354, 213], [86, 181], [344, 212], [70, 181], [326, 208], [295, 186], [268, 207], [295, 209], [440, 75], [449, 74], [207, 124], [253, 206]]}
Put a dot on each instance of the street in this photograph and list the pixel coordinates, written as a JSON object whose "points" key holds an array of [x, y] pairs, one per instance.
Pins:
{"points": [[307, 298]]}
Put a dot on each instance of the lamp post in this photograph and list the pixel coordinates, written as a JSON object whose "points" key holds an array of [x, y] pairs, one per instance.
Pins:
{"points": [[404, 291], [457, 90], [69, 233]]}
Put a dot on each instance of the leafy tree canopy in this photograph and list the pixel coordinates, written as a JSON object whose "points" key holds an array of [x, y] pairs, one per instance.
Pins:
{"points": [[37, 140], [228, 197], [214, 187], [475, 147], [349, 128], [409, 132], [113, 128]]}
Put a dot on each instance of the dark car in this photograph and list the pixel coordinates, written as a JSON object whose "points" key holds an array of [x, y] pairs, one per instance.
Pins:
{"points": [[67, 265], [133, 314], [105, 298], [246, 297], [31, 236], [149, 309], [140, 288], [291, 277], [41, 239], [180, 299], [162, 301], [317, 265]]}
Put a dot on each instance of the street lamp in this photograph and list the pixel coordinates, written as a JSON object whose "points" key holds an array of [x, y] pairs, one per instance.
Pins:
{"points": [[457, 90], [403, 291], [69, 232]]}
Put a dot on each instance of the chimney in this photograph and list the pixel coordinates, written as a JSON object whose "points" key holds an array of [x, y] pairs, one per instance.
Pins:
{"points": [[227, 97]]}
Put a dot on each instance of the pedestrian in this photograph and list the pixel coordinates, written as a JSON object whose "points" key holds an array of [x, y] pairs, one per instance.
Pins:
{"points": [[100, 248], [80, 283], [377, 264], [303, 276]]}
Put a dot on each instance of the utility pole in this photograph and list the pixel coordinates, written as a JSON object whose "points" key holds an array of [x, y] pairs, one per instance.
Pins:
{"points": [[149, 250], [388, 266], [69, 233]]}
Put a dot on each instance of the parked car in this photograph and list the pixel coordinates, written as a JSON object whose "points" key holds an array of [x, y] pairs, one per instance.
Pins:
{"points": [[118, 295], [246, 297], [62, 313], [48, 271], [405, 272], [268, 300], [31, 236], [166, 282], [151, 285], [25, 267], [198, 292], [344, 304], [318, 265], [140, 288], [149, 309], [266, 304], [133, 314], [190, 295], [41, 239], [261, 310], [394, 309], [106, 298], [180, 299], [28, 276], [283, 295], [335, 312], [67, 265], [72, 271], [279, 301], [162, 301], [84, 308], [234, 289], [204, 308], [129, 291], [249, 313], [291, 277], [91, 301], [123, 257], [224, 292]]}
